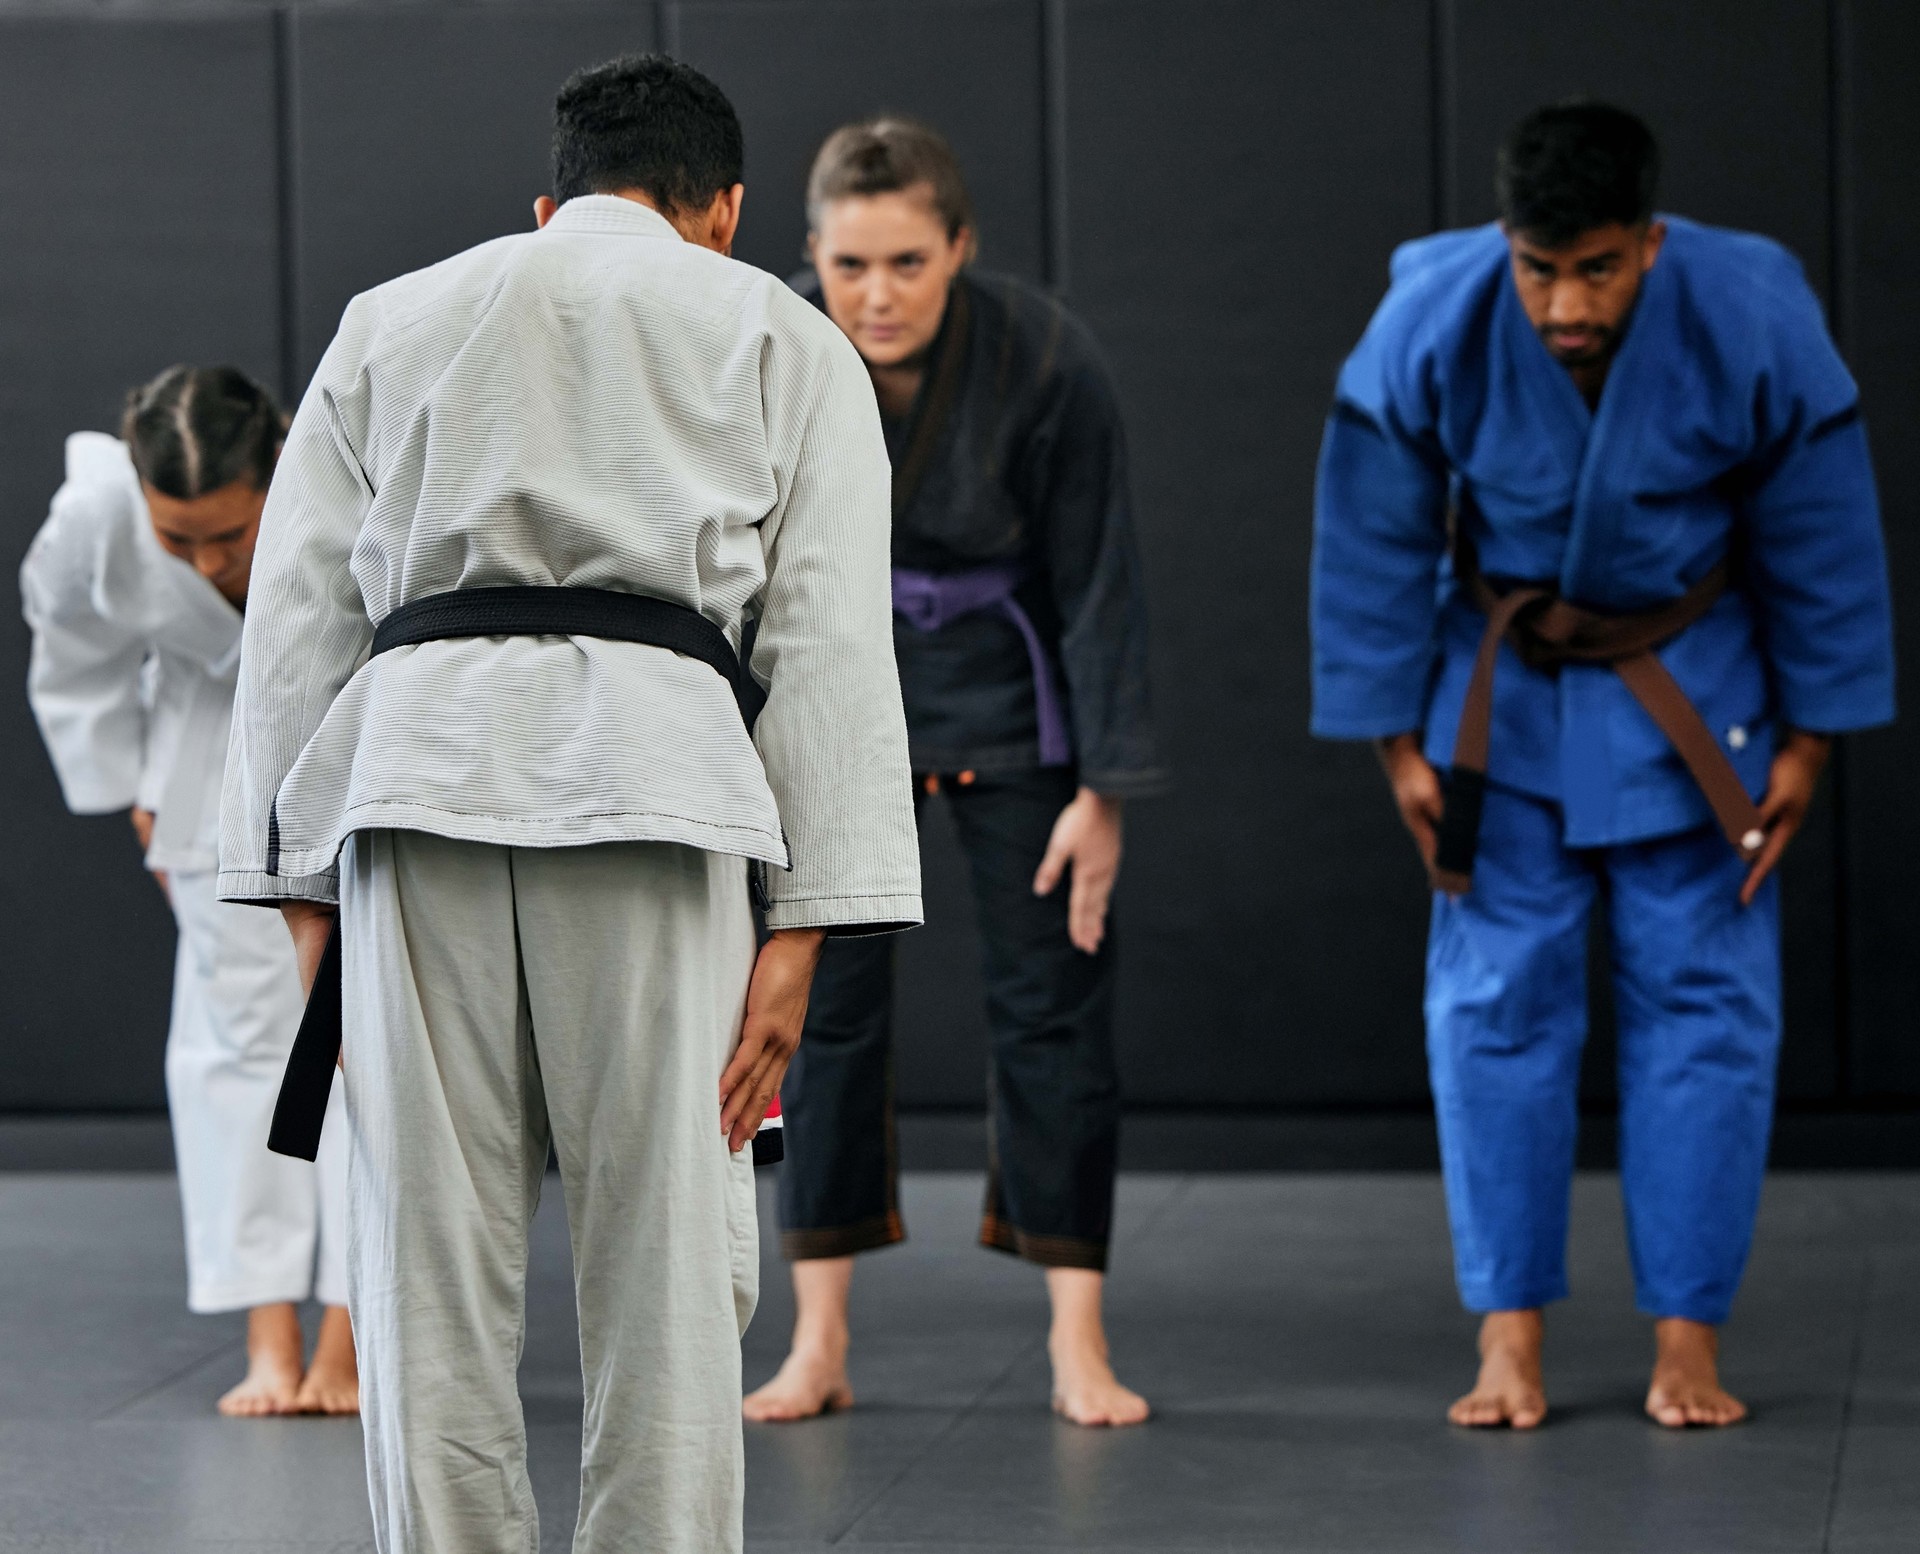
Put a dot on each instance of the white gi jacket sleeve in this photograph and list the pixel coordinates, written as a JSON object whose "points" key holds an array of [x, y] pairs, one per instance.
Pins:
{"points": [[833, 726], [84, 672], [301, 581]]}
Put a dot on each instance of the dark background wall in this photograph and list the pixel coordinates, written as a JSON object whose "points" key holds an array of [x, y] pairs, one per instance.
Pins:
{"points": [[1214, 184]]}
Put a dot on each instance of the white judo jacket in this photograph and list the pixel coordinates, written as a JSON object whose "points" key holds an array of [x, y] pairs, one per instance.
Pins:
{"points": [[134, 660], [598, 404]]}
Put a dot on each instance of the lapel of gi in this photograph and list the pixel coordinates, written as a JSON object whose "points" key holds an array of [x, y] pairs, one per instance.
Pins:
{"points": [[1542, 417], [1634, 393], [936, 400]]}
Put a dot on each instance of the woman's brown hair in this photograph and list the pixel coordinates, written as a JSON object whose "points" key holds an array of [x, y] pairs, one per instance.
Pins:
{"points": [[889, 155]]}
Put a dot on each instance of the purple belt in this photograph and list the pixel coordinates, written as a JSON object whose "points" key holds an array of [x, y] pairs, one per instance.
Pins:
{"points": [[927, 601]]}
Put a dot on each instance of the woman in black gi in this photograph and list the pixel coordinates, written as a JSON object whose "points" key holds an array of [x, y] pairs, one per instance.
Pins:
{"points": [[1020, 628]]}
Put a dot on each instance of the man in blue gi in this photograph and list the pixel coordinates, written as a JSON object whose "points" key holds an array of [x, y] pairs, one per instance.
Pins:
{"points": [[1596, 536]]}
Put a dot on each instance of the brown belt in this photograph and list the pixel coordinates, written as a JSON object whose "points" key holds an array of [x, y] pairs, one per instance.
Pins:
{"points": [[1549, 632]]}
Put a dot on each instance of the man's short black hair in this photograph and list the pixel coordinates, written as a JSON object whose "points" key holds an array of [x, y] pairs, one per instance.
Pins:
{"points": [[1575, 166], [646, 122]]}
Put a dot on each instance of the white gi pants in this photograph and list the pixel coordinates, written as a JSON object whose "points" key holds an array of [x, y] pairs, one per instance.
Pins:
{"points": [[496, 998], [254, 1219]]}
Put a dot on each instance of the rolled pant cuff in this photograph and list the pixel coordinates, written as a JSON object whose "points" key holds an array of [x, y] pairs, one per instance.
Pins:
{"points": [[1713, 1311], [223, 1299], [1048, 1251], [805, 1246], [1481, 1299]]}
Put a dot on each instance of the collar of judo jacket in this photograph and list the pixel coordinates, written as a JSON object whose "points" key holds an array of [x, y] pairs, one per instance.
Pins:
{"points": [[610, 213]]}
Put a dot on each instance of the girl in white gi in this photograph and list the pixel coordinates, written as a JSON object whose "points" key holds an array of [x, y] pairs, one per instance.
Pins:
{"points": [[134, 590]]}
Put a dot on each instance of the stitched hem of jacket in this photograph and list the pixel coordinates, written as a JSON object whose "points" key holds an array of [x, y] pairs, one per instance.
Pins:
{"points": [[1048, 1251], [804, 1246], [1004, 759], [251, 887], [532, 831], [88, 798], [1127, 785], [1023, 757], [847, 916]]}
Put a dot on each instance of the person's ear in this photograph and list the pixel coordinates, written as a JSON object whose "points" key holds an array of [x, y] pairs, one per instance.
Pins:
{"points": [[723, 218], [1650, 249], [968, 242], [543, 209]]}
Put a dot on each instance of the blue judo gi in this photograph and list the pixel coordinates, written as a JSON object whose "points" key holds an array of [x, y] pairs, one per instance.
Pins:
{"points": [[1728, 426]]}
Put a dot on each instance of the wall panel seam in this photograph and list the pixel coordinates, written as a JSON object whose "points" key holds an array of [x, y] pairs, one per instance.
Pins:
{"points": [[286, 194], [1053, 132], [1840, 218], [1440, 111]]}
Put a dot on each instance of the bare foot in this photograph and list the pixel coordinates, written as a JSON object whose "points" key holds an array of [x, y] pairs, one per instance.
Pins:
{"points": [[811, 1382], [272, 1382], [332, 1384], [1085, 1389], [1509, 1389], [1686, 1386]]}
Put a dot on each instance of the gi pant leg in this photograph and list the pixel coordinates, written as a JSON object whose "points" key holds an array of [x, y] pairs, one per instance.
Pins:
{"points": [[1506, 1009], [840, 1182], [1053, 1099], [1697, 993], [254, 1220], [495, 998], [1054, 1095]]}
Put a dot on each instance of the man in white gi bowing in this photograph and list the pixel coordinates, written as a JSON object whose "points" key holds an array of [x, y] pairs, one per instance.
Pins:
{"points": [[485, 706]]}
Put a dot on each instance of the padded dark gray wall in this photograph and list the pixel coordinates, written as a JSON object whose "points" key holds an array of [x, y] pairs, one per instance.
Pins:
{"points": [[1217, 184], [138, 227], [1227, 250], [797, 71], [420, 133], [1880, 322]]}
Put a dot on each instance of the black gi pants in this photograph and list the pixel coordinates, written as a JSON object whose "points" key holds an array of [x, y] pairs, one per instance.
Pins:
{"points": [[1053, 1103]]}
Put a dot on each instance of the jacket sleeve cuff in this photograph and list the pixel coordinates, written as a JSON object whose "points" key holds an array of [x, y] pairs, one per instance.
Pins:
{"points": [[847, 916], [1144, 784], [85, 796], [253, 889], [1825, 712], [1380, 725]]}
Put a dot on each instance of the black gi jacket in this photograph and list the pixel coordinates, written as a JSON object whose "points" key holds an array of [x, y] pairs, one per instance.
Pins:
{"points": [[1030, 468]]}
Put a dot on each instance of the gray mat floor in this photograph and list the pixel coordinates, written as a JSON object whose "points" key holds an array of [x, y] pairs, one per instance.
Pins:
{"points": [[1298, 1334]]}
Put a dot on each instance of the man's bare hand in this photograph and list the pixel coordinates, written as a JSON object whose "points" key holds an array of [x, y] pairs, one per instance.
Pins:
{"points": [[1790, 787], [770, 1035], [310, 922], [1087, 838], [1417, 793]]}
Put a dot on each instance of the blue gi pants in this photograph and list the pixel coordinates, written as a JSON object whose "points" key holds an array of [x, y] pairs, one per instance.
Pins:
{"points": [[1697, 995]]}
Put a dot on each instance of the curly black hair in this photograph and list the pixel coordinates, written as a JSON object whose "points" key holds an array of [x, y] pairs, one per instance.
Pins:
{"points": [[1575, 166], [646, 122]]}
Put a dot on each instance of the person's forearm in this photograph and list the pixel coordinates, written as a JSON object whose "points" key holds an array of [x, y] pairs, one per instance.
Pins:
{"points": [[1393, 749], [311, 924], [1814, 747]]}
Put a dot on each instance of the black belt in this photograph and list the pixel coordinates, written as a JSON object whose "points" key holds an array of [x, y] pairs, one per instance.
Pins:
{"points": [[489, 612]]}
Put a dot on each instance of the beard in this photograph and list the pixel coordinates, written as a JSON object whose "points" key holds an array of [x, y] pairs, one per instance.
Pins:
{"points": [[1600, 344]]}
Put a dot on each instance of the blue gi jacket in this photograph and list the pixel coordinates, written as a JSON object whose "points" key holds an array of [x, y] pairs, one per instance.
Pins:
{"points": [[1728, 421]]}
